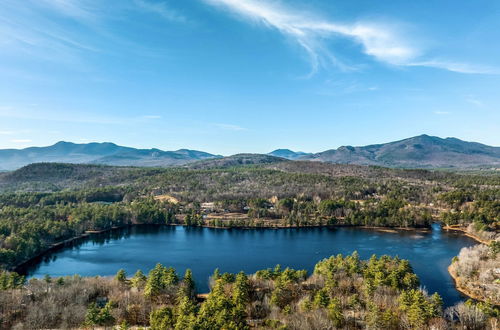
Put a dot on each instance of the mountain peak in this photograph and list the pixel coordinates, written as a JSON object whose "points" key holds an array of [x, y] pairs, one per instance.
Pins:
{"points": [[422, 151]]}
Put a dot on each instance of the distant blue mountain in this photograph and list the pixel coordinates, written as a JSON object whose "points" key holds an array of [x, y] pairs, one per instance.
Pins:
{"points": [[422, 151], [98, 153], [288, 154], [417, 152]]}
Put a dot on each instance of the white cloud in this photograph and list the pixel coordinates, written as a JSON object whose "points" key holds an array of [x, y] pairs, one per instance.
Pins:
{"points": [[6, 132], [385, 43], [442, 113], [21, 140]]}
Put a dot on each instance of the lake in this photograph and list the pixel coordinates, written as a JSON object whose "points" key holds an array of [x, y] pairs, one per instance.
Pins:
{"points": [[233, 250]]}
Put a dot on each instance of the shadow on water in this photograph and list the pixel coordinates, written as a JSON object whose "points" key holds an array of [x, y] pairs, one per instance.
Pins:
{"points": [[233, 250]]}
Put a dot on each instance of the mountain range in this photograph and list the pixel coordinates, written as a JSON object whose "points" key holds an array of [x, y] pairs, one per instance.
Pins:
{"points": [[421, 151], [417, 152], [98, 153]]}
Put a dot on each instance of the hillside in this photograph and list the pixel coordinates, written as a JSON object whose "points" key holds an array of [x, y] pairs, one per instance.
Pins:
{"points": [[43, 177], [235, 160], [288, 154], [417, 152], [97, 153]]}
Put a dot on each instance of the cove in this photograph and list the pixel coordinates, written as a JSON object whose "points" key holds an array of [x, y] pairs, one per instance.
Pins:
{"points": [[233, 250]]}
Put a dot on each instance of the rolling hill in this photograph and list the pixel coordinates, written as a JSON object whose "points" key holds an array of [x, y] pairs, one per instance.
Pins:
{"points": [[236, 160]]}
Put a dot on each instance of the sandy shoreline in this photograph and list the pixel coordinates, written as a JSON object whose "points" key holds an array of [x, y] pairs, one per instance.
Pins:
{"points": [[464, 231]]}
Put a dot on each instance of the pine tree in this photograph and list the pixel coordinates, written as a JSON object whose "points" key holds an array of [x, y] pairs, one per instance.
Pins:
{"points": [[186, 314], [217, 311], [155, 283], [92, 315], [241, 288], [335, 313], [435, 308], [169, 277], [121, 276], [161, 319], [188, 287], [321, 298], [139, 279]]}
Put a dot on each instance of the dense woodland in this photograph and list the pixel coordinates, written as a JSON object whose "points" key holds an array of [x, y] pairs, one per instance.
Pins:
{"points": [[343, 292], [51, 203], [44, 205], [74, 201]]}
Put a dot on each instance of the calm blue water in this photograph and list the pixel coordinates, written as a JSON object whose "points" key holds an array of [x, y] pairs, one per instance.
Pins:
{"points": [[204, 249]]}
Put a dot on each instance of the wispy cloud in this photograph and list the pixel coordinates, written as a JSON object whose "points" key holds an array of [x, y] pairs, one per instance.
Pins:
{"points": [[67, 31], [152, 117], [77, 9], [442, 113], [474, 101], [160, 8], [21, 141], [457, 67], [384, 42], [230, 127]]}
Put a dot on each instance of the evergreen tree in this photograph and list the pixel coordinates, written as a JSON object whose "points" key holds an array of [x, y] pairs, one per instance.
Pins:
{"points": [[188, 287], [121, 276], [162, 319], [139, 279], [335, 313], [321, 298], [155, 282], [186, 314], [241, 290]]}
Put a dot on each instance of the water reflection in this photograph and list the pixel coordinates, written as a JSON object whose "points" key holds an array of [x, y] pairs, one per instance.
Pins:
{"points": [[204, 249]]}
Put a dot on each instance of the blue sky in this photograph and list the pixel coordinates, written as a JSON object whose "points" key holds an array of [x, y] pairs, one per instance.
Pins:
{"points": [[229, 76]]}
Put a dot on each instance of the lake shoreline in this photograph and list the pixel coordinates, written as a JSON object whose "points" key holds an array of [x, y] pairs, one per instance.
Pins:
{"points": [[88, 233], [463, 289], [468, 234]]}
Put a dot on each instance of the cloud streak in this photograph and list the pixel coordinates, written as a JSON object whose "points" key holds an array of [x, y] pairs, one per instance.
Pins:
{"points": [[384, 43], [39, 29], [161, 9]]}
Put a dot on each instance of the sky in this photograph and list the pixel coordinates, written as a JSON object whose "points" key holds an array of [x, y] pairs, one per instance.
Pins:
{"points": [[231, 76]]}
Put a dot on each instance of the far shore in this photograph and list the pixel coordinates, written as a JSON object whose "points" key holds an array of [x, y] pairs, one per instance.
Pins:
{"points": [[466, 233], [61, 244], [392, 230]]}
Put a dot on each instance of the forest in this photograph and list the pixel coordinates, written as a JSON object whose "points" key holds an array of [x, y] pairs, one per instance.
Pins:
{"points": [[43, 206], [343, 292], [285, 194]]}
